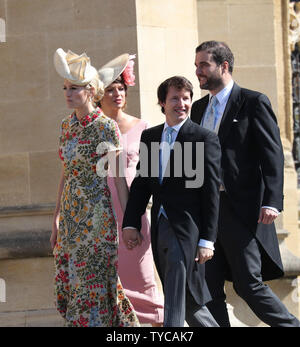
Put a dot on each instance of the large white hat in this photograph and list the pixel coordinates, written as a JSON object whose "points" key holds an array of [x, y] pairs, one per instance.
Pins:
{"points": [[75, 68], [109, 72]]}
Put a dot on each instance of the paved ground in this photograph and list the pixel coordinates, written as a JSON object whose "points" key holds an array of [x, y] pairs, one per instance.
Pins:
{"points": [[50, 318]]}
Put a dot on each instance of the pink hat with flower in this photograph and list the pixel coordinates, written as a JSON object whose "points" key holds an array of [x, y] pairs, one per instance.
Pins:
{"points": [[122, 65]]}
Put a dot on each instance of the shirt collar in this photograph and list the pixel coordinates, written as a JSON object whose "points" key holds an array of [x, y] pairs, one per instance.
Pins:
{"points": [[87, 120], [177, 126], [223, 94]]}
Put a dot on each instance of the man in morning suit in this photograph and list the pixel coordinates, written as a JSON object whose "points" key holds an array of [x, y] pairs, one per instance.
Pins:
{"points": [[184, 212], [251, 191]]}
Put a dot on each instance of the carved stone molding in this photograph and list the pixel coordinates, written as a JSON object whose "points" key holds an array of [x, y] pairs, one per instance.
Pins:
{"points": [[288, 160], [28, 210], [294, 24], [30, 244], [291, 263]]}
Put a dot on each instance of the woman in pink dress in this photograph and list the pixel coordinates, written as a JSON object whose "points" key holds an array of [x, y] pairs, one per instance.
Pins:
{"points": [[136, 267]]}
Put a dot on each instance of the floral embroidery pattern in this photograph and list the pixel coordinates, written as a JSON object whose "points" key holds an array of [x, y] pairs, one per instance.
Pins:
{"points": [[87, 286]]}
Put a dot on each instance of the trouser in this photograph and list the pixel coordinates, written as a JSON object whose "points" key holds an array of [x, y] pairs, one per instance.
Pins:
{"points": [[238, 252], [179, 305]]}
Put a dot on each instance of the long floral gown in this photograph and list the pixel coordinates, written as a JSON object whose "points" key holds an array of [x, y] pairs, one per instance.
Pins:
{"points": [[88, 289]]}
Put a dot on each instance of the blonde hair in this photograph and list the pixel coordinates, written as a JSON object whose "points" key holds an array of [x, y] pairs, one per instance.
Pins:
{"points": [[98, 86]]}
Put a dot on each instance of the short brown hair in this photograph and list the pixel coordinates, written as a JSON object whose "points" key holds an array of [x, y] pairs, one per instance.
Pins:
{"points": [[177, 82], [220, 52]]}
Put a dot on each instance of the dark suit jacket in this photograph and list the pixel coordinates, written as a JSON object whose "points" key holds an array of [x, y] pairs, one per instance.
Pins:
{"points": [[192, 212], [252, 165]]}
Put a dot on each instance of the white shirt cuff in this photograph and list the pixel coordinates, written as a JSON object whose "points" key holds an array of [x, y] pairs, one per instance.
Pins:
{"points": [[271, 208], [206, 244]]}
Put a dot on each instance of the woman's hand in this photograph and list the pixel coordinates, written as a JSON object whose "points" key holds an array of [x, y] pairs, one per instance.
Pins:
{"points": [[55, 223], [132, 238], [53, 236]]}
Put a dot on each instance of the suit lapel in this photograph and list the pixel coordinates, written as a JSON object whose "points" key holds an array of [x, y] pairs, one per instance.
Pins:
{"points": [[233, 105], [184, 133], [201, 107], [156, 133], [153, 143]]}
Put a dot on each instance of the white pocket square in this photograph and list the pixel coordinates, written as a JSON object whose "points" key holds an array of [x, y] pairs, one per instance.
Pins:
{"points": [[235, 120]]}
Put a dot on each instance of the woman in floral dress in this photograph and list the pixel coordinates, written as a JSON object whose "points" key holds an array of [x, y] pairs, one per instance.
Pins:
{"points": [[84, 235]]}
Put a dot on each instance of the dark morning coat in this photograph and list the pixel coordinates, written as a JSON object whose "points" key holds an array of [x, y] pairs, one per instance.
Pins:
{"points": [[192, 212], [252, 165]]}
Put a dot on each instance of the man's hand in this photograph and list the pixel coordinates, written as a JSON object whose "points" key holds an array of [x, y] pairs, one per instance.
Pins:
{"points": [[267, 216], [131, 237], [203, 254]]}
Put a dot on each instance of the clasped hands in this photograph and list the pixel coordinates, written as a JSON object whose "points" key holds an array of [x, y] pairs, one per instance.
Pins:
{"points": [[132, 238]]}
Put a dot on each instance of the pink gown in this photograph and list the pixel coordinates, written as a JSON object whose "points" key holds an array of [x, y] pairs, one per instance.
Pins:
{"points": [[136, 267]]}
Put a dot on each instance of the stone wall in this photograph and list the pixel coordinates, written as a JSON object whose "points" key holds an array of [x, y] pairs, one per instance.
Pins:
{"points": [[167, 37]]}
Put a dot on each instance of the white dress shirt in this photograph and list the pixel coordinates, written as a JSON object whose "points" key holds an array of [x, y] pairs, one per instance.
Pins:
{"points": [[222, 98]]}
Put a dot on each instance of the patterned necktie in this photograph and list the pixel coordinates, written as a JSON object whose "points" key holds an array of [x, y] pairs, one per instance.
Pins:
{"points": [[169, 132], [209, 121], [165, 153]]}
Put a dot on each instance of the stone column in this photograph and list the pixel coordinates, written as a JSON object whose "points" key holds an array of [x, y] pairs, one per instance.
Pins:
{"points": [[166, 37]]}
